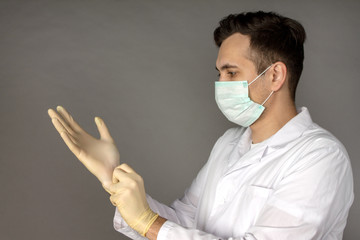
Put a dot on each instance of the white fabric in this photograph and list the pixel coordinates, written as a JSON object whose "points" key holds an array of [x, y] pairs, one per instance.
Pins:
{"points": [[297, 184], [252, 145]]}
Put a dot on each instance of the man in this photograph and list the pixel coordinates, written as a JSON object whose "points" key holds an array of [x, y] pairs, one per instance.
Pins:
{"points": [[277, 175]]}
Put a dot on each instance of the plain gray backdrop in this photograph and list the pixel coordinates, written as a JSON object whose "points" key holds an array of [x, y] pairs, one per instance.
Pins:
{"points": [[148, 69]]}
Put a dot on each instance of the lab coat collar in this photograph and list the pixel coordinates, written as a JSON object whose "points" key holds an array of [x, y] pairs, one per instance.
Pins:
{"points": [[289, 132], [237, 158]]}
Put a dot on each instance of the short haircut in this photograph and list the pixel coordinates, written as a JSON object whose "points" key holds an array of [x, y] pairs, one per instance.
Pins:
{"points": [[272, 38]]}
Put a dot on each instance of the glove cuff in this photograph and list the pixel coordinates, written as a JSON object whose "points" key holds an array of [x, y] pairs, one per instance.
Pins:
{"points": [[144, 222]]}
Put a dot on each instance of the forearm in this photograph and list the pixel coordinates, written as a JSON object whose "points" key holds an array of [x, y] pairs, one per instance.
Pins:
{"points": [[155, 228], [171, 230]]}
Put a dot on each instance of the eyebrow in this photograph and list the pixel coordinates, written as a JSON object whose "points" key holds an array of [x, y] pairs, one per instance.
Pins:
{"points": [[226, 66]]}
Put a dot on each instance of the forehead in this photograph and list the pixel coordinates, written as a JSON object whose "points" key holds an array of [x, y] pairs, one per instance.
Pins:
{"points": [[234, 49]]}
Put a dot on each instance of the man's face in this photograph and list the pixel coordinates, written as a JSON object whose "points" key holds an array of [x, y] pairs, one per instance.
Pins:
{"points": [[233, 64]]}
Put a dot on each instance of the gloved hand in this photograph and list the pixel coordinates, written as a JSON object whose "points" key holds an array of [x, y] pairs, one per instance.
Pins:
{"points": [[128, 195], [100, 156]]}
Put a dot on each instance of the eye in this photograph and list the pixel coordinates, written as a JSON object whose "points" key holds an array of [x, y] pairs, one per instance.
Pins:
{"points": [[232, 73]]}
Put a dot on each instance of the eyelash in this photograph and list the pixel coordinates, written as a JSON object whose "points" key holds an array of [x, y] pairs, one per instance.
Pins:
{"points": [[231, 74]]}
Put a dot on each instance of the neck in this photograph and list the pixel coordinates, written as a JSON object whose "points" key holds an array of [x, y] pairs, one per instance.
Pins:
{"points": [[275, 116]]}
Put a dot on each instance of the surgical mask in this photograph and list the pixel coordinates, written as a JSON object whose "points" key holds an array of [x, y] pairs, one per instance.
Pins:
{"points": [[233, 99]]}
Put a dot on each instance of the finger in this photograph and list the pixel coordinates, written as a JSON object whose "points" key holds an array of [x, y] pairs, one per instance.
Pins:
{"points": [[69, 119], [111, 188], [53, 115], [71, 145], [113, 203], [116, 199], [103, 130], [106, 186], [126, 168], [108, 190], [119, 175], [113, 200], [116, 187], [60, 128]]}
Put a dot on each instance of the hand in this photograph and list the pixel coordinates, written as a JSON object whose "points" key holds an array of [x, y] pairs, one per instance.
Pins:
{"points": [[128, 195], [100, 156]]}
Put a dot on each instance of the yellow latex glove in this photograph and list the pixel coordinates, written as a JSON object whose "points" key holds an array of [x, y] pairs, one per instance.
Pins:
{"points": [[100, 156], [128, 195]]}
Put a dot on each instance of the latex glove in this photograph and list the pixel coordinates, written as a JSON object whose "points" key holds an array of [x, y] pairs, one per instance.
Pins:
{"points": [[128, 195], [100, 156]]}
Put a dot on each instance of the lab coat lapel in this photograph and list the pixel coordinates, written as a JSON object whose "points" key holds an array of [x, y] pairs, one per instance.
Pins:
{"points": [[242, 156], [253, 156], [232, 156], [217, 166]]}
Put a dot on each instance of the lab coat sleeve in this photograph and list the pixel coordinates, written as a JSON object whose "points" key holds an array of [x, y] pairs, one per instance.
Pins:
{"points": [[314, 195], [173, 231]]}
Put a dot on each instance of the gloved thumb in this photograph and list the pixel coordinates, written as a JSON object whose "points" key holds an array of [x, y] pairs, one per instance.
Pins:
{"points": [[103, 130]]}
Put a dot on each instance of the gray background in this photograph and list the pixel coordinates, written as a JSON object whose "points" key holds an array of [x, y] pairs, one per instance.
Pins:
{"points": [[147, 68]]}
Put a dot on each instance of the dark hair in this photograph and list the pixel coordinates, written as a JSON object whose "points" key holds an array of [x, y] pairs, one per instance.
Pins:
{"points": [[272, 38]]}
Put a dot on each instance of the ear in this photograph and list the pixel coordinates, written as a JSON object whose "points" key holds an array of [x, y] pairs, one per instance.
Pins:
{"points": [[279, 73]]}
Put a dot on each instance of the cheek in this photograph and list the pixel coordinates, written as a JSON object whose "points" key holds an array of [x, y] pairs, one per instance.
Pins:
{"points": [[263, 94], [253, 94], [257, 92]]}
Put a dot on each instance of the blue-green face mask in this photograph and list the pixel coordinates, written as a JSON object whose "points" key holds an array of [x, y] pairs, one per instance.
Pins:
{"points": [[233, 99]]}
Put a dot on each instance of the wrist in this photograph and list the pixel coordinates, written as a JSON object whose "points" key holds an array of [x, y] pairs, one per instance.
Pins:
{"points": [[144, 222], [105, 177], [154, 229]]}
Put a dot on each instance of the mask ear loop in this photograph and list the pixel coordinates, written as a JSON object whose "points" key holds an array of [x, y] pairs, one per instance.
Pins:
{"points": [[260, 74], [267, 98]]}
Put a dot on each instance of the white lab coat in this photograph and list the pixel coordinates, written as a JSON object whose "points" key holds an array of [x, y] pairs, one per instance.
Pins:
{"points": [[297, 184]]}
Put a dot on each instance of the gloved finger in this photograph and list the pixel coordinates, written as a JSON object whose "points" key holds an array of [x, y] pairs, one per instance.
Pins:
{"points": [[117, 187], [119, 175], [111, 188], [112, 200], [123, 173], [71, 145], [53, 115], [103, 130], [116, 198], [69, 119], [60, 128], [113, 203], [126, 168], [106, 185]]}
